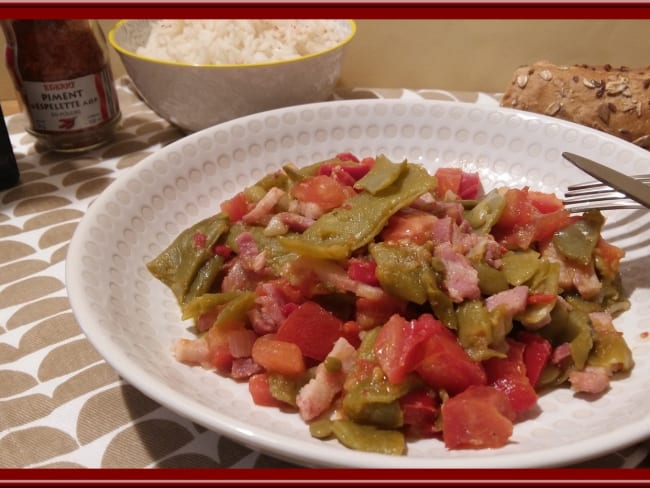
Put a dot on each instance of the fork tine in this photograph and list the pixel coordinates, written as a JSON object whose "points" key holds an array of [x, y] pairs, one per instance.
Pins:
{"points": [[614, 205], [589, 192], [598, 199], [594, 194]]}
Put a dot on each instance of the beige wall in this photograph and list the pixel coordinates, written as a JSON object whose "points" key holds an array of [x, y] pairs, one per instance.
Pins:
{"points": [[468, 54]]}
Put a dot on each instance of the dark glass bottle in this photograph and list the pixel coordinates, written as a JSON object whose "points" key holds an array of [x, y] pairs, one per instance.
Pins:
{"points": [[62, 72], [9, 174]]}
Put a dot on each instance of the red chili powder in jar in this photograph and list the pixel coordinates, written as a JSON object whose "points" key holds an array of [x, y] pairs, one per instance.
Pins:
{"points": [[62, 72]]}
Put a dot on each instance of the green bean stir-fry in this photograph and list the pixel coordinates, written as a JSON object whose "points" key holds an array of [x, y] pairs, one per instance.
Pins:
{"points": [[383, 303]]}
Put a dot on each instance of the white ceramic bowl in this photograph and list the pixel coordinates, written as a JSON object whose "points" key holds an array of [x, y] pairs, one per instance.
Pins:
{"points": [[194, 97], [132, 319]]}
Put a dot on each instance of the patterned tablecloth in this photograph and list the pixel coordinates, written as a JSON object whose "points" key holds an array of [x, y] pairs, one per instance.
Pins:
{"points": [[61, 404]]}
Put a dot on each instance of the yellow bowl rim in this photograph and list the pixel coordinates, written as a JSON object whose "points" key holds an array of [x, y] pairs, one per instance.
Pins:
{"points": [[131, 54]]}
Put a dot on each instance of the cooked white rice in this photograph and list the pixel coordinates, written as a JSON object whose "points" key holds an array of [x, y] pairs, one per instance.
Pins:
{"points": [[239, 41]]}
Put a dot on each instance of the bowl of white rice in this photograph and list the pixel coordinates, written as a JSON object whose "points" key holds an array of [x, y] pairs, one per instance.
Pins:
{"points": [[198, 73]]}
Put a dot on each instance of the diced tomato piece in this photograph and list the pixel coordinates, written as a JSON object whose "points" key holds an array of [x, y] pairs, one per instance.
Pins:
{"points": [[540, 228], [322, 190], [448, 180], [327, 167], [258, 386], [372, 313], [312, 328], [236, 207], [342, 176], [445, 363], [461, 183], [549, 223], [470, 186], [363, 270], [221, 358], [399, 346], [358, 171], [521, 237], [528, 217], [222, 250], [420, 409], [509, 375], [517, 211], [480, 417], [415, 226], [536, 354], [347, 156], [278, 356], [545, 202], [540, 298], [354, 169]]}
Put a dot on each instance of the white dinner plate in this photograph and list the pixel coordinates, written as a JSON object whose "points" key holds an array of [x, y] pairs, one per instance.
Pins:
{"points": [[132, 319]]}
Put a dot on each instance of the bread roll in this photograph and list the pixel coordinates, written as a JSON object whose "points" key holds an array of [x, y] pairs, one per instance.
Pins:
{"points": [[613, 100]]}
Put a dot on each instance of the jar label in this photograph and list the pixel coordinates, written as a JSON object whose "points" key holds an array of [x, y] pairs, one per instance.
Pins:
{"points": [[71, 105]]}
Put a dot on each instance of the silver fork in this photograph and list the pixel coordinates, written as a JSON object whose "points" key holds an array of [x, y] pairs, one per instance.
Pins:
{"points": [[594, 194]]}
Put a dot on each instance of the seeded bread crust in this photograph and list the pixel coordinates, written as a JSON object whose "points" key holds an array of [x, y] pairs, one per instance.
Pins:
{"points": [[613, 100]]}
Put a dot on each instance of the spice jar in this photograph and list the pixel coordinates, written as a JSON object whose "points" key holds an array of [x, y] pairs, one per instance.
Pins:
{"points": [[62, 73]]}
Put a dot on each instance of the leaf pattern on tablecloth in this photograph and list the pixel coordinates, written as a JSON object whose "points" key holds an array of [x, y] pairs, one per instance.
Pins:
{"points": [[110, 410], [15, 382], [56, 235], [25, 447], [28, 176], [59, 255], [67, 358], [86, 381], [21, 269], [136, 445], [49, 332], [8, 230], [62, 465], [25, 409], [229, 452], [8, 354], [132, 159], [12, 250], [85, 174], [28, 190], [39, 205], [29, 289], [93, 188], [50, 218], [37, 310], [66, 167]]}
